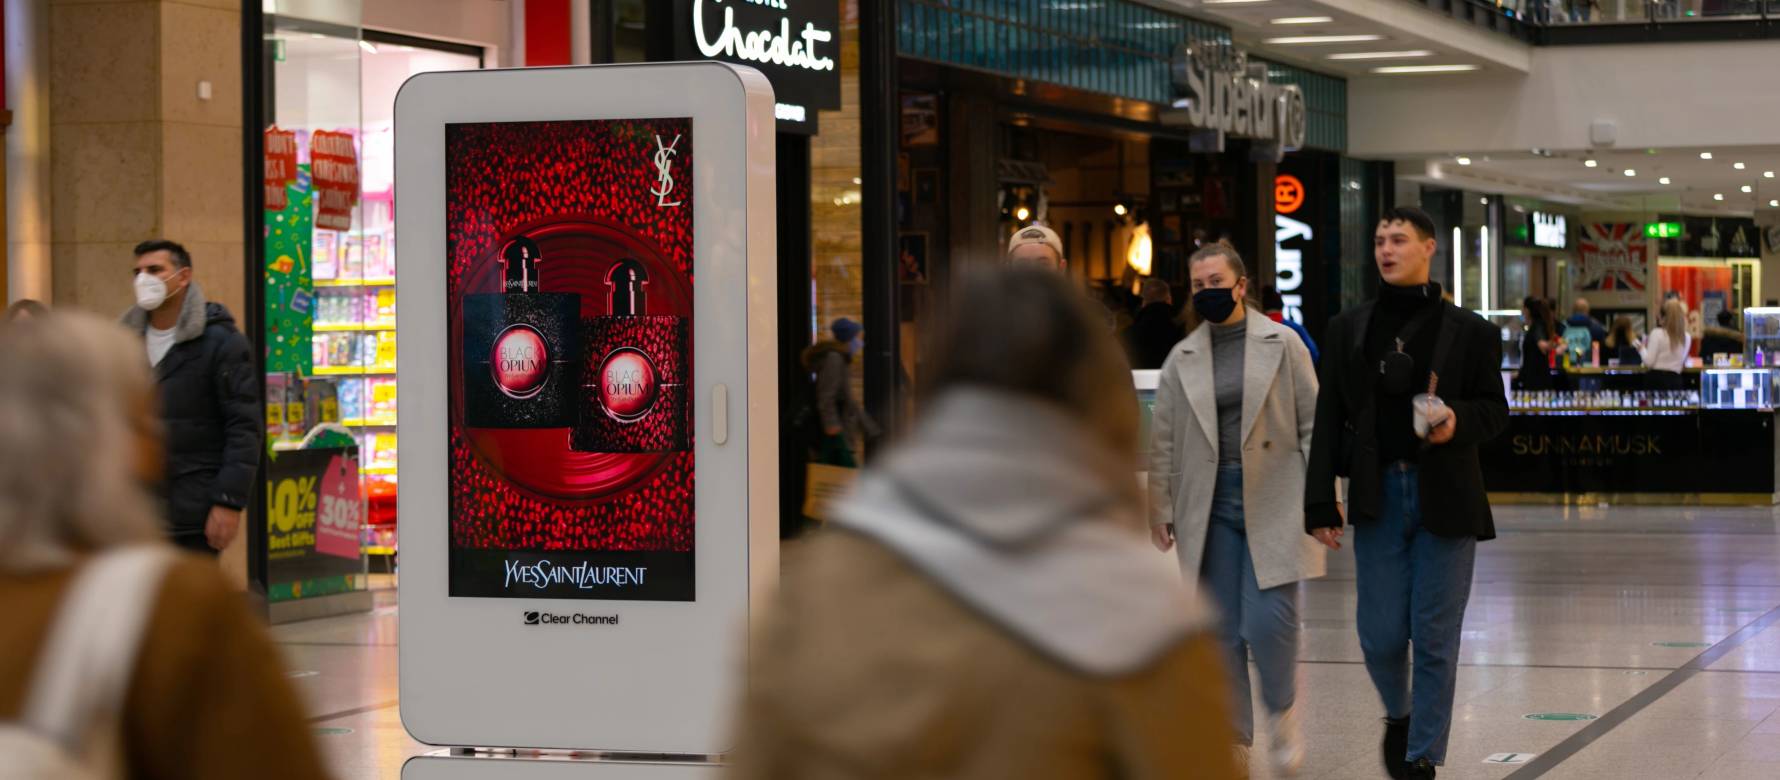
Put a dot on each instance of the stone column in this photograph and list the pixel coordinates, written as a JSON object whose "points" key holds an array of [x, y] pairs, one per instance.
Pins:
{"points": [[145, 142]]}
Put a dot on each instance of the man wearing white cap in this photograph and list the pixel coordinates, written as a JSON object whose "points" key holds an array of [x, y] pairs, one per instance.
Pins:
{"points": [[1036, 245]]}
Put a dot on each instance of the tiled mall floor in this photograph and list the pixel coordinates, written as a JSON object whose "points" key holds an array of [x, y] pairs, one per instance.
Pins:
{"points": [[1654, 621]]}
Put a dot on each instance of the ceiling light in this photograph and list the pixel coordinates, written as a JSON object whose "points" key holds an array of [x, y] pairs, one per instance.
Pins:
{"points": [[1768, 174], [1718, 196], [1119, 210], [1381, 55], [1590, 162], [1464, 161], [1424, 69], [1022, 213], [1314, 39], [1484, 201], [1663, 180], [1738, 166], [1233, 2], [1304, 20], [1630, 172], [1774, 204], [1705, 155], [1747, 189]]}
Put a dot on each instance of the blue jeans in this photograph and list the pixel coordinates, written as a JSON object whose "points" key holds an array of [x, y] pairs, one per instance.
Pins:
{"points": [[1413, 587], [1264, 622]]}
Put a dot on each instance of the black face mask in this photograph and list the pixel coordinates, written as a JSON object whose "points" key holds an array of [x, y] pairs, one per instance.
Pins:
{"points": [[1215, 304]]}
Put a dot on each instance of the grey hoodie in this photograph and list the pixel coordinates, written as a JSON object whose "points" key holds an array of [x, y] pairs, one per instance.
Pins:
{"points": [[1012, 507]]}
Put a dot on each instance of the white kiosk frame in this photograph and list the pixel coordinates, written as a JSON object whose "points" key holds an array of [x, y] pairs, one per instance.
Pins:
{"points": [[665, 679]]}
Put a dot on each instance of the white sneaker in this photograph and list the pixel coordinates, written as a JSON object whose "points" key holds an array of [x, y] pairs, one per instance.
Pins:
{"points": [[1288, 743], [1239, 753]]}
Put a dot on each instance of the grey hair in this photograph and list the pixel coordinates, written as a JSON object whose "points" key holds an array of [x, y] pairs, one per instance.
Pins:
{"points": [[68, 395]]}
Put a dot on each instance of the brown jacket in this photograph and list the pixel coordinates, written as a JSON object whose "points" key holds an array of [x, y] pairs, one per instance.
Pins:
{"points": [[208, 697], [870, 670]]}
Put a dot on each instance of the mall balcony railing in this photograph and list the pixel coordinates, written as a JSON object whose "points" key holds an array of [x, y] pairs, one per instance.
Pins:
{"points": [[1560, 22]]}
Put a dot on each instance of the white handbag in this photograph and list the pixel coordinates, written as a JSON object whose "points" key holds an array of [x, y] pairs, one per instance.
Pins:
{"points": [[70, 723]]}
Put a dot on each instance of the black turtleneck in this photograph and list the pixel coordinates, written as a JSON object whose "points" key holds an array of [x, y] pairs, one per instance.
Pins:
{"points": [[1395, 308]]}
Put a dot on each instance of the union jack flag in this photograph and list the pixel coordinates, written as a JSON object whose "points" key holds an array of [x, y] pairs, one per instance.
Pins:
{"points": [[1613, 257]]}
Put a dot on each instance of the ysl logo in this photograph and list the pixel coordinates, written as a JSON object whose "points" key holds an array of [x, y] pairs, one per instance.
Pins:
{"points": [[664, 171]]}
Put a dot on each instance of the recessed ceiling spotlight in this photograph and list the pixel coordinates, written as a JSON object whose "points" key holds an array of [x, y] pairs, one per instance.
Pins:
{"points": [[1630, 172], [1484, 201], [1705, 155], [1590, 162], [1774, 204], [1718, 196], [1663, 180], [1748, 189], [1738, 166], [1768, 174], [1464, 160]]}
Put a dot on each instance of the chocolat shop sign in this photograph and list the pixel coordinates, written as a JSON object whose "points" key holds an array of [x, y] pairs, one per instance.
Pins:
{"points": [[796, 43], [1220, 90]]}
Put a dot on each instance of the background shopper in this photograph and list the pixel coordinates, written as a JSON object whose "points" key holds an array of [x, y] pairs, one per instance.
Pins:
{"points": [[1157, 327], [1240, 392], [209, 399], [1722, 338], [24, 309], [1582, 333], [1036, 245], [1538, 339], [1665, 350], [845, 424], [1416, 501], [1275, 306], [186, 683], [1622, 342], [1051, 642]]}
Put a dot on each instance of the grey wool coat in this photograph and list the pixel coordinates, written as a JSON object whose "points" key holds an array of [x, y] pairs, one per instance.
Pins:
{"points": [[1278, 413]]}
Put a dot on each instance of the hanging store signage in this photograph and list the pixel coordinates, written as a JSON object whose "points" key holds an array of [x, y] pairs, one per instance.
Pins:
{"points": [[1290, 240], [333, 165], [1612, 257], [1220, 90], [1306, 238], [1551, 231], [281, 166], [1662, 230], [796, 43]]}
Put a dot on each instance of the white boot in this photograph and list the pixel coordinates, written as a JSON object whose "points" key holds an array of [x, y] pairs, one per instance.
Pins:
{"points": [[1239, 754], [1287, 753]]}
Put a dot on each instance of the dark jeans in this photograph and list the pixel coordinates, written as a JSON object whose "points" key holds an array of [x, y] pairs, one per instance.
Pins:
{"points": [[1253, 620], [1413, 587]]}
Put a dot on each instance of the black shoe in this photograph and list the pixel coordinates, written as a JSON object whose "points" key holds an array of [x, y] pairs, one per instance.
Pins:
{"points": [[1422, 769], [1395, 747]]}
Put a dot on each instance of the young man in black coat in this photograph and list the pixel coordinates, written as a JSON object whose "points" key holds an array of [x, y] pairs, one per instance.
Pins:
{"points": [[209, 399], [1417, 504]]}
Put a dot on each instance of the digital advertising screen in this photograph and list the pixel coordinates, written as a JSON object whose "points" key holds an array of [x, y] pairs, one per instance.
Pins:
{"points": [[570, 305]]}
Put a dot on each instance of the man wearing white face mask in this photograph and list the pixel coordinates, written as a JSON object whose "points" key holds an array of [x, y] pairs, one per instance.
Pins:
{"points": [[209, 398]]}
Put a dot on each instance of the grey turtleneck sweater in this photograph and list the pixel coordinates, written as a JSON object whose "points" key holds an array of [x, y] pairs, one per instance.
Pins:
{"points": [[1227, 347]]}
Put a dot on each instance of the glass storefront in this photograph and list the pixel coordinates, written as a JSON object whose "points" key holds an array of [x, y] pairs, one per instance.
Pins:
{"points": [[330, 295]]}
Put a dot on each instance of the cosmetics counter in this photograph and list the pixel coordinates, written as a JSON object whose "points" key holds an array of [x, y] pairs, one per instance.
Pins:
{"points": [[1711, 445]]}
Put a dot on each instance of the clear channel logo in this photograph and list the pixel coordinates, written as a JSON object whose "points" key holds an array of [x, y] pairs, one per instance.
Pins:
{"points": [[572, 619]]}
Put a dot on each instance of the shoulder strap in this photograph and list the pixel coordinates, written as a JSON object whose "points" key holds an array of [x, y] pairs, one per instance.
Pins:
{"points": [[1421, 320], [1443, 343], [83, 671]]}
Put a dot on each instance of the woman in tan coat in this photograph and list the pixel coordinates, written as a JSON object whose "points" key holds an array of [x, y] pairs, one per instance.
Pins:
{"points": [[1235, 405], [984, 606], [118, 656]]}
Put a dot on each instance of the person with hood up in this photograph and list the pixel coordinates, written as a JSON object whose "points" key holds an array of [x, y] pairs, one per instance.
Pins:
{"points": [[984, 605], [209, 394], [844, 421]]}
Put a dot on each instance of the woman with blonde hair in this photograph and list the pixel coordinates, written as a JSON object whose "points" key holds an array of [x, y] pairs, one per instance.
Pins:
{"points": [[119, 656], [1235, 406], [1007, 528], [1665, 350]]}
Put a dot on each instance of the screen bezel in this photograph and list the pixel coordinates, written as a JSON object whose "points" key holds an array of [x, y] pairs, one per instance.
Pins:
{"points": [[472, 673]]}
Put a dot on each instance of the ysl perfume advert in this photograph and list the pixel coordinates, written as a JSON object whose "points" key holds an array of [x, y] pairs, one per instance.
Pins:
{"points": [[570, 257]]}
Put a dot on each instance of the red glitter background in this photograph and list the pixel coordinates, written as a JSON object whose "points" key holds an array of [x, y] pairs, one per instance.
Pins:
{"points": [[507, 179]]}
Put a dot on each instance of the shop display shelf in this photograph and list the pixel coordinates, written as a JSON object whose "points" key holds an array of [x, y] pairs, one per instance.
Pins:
{"points": [[355, 282], [354, 370], [353, 327]]}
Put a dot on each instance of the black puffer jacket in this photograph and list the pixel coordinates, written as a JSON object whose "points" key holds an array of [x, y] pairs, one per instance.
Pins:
{"points": [[210, 406]]}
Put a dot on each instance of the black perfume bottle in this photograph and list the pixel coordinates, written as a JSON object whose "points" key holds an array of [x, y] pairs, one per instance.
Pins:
{"points": [[521, 348], [636, 376]]}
